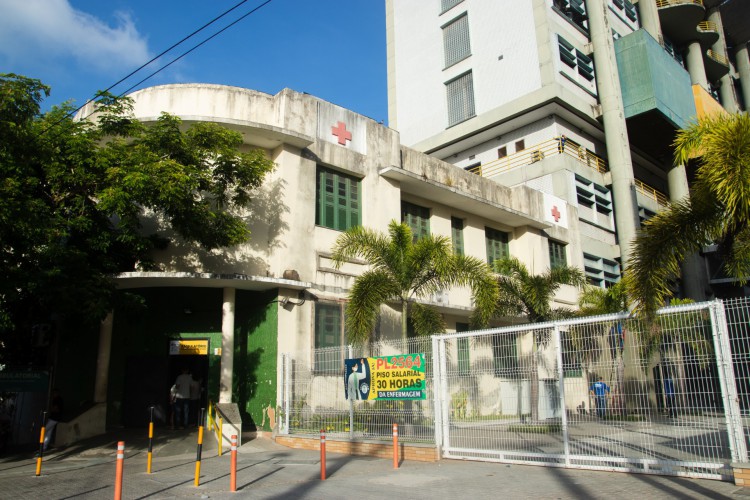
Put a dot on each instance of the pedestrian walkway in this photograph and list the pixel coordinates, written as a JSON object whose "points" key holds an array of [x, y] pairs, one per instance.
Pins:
{"points": [[267, 470]]}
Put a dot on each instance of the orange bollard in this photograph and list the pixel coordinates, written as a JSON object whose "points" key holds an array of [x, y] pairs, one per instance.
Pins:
{"points": [[41, 446], [150, 442], [322, 454], [233, 472], [395, 446], [118, 473]]}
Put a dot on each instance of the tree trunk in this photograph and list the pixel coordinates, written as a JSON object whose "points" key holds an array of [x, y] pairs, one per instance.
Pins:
{"points": [[404, 321]]}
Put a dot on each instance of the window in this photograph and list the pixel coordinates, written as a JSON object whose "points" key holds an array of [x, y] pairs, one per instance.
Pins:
{"points": [[460, 93], [449, 4], [575, 11], [592, 195], [497, 244], [329, 332], [456, 43], [417, 218], [577, 61], [463, 346], [630, 11], [457, 235], [601, 272], [505, 356], [627, 8], [557, 256], [502, 152], [337, 200], [520, 145]]}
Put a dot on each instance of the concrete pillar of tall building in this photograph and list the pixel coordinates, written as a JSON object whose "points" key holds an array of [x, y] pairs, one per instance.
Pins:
{"points": [[227, 346], [649, 13], [695, 66], [742, 58], [615, 130], [726, 88], [101, 380], [694, 280]]}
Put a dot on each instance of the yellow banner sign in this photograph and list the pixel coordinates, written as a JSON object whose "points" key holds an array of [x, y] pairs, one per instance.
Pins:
{"points": [[188, 347]]}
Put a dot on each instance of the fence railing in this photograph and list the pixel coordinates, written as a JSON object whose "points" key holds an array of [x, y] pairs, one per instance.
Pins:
{"points": [[605, 392]]}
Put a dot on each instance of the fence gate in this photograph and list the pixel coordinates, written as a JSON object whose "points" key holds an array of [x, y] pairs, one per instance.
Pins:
{"points": [[601, 393]]}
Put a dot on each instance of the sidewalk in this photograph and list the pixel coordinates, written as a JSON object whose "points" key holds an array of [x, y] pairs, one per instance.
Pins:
{"points": [[267, 470]]}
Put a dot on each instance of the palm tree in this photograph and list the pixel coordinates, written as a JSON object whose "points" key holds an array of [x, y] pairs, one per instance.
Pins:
{"points": [[718, 210], [524, 294], [404, 271]]}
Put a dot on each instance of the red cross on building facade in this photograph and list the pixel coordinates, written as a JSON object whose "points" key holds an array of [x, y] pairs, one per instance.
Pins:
{"points": [[556, 214], [340, 131]]}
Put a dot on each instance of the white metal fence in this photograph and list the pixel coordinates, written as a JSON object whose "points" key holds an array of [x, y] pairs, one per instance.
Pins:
{"points": [[673, 398]]}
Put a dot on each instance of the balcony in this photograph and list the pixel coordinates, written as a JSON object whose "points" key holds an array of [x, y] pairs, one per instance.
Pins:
{"points": [[705, 103], [716, 64], [656, 93], [537, 153], [652, 193], [680, 19]]}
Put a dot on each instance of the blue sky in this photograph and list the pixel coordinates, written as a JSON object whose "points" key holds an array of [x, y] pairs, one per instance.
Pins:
{"points": [[332, 49]]}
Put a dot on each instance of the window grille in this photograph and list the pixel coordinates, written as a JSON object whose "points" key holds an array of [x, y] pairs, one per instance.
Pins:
{"points": [[456, 40], [601, 272], [449, 4], [460, 99]]}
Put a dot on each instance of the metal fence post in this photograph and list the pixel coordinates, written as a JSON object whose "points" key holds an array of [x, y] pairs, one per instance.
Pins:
{"points": [[444, 396], [436, 393], [723, 349], [561, 389], [350, 353], [287, 391]]}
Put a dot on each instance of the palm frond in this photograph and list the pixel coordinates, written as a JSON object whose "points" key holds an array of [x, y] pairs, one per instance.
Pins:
{"points": [[426, 320], [370, 290]]}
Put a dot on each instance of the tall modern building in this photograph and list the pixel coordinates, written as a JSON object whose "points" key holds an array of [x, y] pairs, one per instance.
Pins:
{"points": [[577, 98]]}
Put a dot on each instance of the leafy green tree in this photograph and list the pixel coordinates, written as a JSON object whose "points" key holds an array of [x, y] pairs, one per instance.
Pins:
{"points": [[73, 193], [403, 270], [530, 296], [717, 211]]}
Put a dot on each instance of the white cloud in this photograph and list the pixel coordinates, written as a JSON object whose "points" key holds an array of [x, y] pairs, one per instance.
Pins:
{"points": [[53, 32]]}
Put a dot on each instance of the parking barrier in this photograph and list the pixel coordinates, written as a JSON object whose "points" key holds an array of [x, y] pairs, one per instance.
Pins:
{"points": [[150, 442], [118, 472], [41, 445], [233, 472], [200, 449], [395, 446], [322, 454]]}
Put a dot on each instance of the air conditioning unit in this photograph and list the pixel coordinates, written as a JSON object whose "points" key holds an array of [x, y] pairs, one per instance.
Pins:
{"points": [[537, 155]]}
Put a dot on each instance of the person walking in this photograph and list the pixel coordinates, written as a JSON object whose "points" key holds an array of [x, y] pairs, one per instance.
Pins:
{"points": [[600, 390], [182, 398]]}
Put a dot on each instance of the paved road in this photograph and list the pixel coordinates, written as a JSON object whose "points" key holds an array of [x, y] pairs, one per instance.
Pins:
{"points": [[266, 470]]}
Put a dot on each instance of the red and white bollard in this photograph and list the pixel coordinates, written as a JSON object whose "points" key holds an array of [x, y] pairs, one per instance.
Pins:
{"points": [[395, 446], [118, 473], [322, 454], [233, 472]]}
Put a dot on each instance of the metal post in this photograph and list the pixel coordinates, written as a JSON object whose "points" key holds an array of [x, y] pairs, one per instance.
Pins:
{"points": [[150, 442], [200, 449], [735, 431], [233, 472], [561, 388], [445, 408], [437, 392], [351, 401], [287, 392], [221, 436], [322, 454], [118, 470], [41, 445], [395, 446]]}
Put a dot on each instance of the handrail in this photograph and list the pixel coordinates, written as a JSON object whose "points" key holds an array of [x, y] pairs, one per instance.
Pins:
{"points": [[708, 26], [667, 3], [652, 193], [538, 152], [216, 425], [716, 56]]}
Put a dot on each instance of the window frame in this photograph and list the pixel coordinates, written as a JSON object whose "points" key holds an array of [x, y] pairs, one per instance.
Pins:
{"points": [[558, 255], [456, 40], [461, 105], [457, 235], [414, 217], [325, 365], [496, 244]]}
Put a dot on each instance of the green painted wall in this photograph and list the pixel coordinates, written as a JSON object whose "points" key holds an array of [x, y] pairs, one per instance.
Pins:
{"points": [[255, 357], [75, 370], [652, 80], [144, 333]]}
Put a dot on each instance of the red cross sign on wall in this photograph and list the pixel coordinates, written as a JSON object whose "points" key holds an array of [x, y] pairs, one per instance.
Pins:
{"points": [[556, 213], [340, 131]]}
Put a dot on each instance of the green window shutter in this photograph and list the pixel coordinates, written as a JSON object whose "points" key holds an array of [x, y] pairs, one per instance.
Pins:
{"points": [[463, 346], [457, 235], [328, 322], [337, 200], [497, 245], [417, 218], [567, 52], [557, 255]]}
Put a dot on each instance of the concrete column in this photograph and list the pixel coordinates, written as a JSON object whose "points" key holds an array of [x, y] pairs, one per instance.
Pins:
{"points": [[227, 346], [649, 13], [726, 89], [678, 183], [615, 131], [742, 60], [695, 65], [102, 360]]}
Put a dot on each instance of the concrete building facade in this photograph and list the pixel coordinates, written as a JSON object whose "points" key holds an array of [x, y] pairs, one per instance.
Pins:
{"points": [[578, 99]]}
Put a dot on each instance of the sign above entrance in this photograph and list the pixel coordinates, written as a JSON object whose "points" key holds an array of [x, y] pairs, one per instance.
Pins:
{"points": [[188, 347]]}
